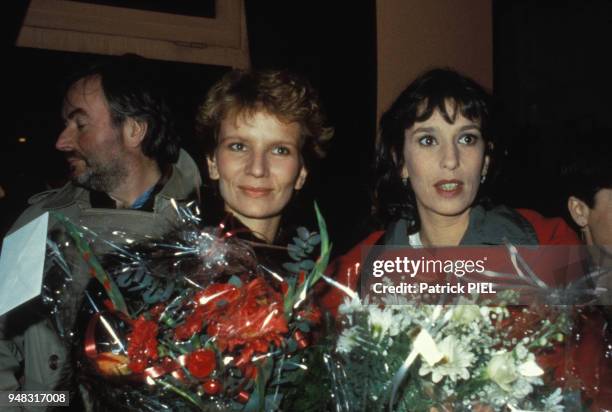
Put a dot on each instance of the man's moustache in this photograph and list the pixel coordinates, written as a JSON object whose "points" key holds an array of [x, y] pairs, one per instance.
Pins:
{"points": [[74, 155]]}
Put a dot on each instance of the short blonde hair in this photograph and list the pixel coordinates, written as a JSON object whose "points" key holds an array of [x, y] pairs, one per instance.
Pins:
{"points": [[280, 93]]}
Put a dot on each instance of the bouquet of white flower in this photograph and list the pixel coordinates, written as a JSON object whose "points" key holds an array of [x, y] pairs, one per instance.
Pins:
{"points": [[460, 357]]}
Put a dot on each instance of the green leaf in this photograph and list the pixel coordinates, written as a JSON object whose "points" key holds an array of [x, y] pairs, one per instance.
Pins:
{"points": [[293, 248], [258, 396], [167, 291], [140, 273], [303, 233], [146, 282], [299, 242], [151, 295], [291, 345], [291, 267], [307, 264], [235, 281], [314, 240], [296, 255], [318, 269], [123, 280], [289, 298], [289, 365], [303, 326]]}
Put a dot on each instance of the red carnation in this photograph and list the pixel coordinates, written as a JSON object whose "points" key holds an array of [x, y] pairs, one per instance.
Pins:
{"points": [[311, 314], [192, 325], [211, 297], [201, 363], [250, 323], [142, 344], [207, 302]]}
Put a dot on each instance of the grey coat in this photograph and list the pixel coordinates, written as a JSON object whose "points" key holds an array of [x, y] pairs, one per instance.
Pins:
{"points": [[32, 356]]}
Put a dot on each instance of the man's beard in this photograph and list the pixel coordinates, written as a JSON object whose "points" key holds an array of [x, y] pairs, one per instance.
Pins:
{"points": [[102, 177]]}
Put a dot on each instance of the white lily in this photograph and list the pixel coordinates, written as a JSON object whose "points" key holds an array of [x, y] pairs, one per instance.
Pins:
{"points": [[425, 346], [530, 368], [502, 371]]}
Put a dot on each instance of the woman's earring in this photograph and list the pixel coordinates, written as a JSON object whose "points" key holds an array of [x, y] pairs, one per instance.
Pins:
{"points": [[583, 236], [405, 181], [483, 178]]}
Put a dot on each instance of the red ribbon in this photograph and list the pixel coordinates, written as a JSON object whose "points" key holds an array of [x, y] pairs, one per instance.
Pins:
{"points": [[173, 367]]}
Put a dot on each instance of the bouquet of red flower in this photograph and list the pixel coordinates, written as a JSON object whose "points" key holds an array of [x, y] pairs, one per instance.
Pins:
{"points": [[195, 321]]}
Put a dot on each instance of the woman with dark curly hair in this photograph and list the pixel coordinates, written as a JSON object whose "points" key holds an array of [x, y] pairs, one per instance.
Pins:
{"points": [[434, 152], [435, 157]]}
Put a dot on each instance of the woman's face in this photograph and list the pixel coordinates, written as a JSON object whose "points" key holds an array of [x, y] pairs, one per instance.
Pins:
{"points": [[445, 163], [258, 164]]}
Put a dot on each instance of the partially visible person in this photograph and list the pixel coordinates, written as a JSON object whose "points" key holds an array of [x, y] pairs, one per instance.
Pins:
{"points": [[588, 179], [261, 133], [589, 201], [435, 158], [126, 170]]}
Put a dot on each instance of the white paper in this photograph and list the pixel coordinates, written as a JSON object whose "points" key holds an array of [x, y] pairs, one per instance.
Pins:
{"points": [[22, 263]]}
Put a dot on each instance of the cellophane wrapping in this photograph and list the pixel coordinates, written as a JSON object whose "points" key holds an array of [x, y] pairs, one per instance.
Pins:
{"points": [[474, 354], [193, 320]]}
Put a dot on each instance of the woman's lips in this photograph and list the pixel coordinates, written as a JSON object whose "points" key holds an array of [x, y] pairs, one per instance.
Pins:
{"points": [[255, 192], [449, 188]]}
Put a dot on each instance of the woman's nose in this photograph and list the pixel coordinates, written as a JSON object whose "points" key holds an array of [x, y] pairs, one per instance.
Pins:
{"points": [[257, 165], [450, 157]]}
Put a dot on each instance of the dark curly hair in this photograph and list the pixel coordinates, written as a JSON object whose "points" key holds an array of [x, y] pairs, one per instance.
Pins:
{"points": [[283, 94], [132, 90], [393, 198]]}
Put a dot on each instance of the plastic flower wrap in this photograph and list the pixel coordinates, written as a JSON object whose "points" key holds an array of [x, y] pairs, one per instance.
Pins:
{"points": [[447, 357], [195, 320], [470, 354]]}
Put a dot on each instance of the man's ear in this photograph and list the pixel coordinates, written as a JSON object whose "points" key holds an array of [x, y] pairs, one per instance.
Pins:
{"points": [[134, 131], [299, 183], [579, 211], [213, 171]]}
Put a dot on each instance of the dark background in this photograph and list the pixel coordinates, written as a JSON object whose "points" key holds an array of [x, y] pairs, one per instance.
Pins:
{"points": [[551, 79], [553, 85]]}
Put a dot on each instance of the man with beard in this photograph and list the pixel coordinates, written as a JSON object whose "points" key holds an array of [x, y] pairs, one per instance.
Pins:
{"points": [[126, 170]]}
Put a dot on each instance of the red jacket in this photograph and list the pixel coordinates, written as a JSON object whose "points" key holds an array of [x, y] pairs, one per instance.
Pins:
{"points": [[345, 269]]}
